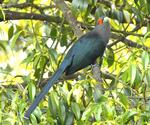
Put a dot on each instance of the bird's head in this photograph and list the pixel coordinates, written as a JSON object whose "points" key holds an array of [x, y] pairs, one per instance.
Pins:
{"points": [[102, 20], [103, 27]]}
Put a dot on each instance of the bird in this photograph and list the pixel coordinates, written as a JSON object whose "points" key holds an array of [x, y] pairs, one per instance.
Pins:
{"points": [[83, 53]]}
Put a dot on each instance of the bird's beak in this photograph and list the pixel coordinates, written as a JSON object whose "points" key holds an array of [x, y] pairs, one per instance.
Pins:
{"points": [[106, 20]]}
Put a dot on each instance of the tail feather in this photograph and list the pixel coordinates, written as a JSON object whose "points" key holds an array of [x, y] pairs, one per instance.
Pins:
{"points": [[46, 88]]}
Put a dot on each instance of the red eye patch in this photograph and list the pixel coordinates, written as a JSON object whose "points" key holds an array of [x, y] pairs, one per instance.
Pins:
{"points": [[100, 21]]}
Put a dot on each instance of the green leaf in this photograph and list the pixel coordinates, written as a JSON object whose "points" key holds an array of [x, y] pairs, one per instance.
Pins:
{"points": [[53, 55], [63, 40], [74, 8], [36, 66], [89, 110], [148, 7], [29, 58], [137, 80], [43, 61], [52, 103], [145, 59], [29, 1], [69, 118], [99, 12], [76, 110], [75, 3], [98, 113], [132, 73], [37, 112], [62, 111], [37, 73], [90, 1], [124, 100], [22, 105], [2, 46], [94, 2], [147, 78], [33, 119], [127, 116], [36, 61], [32, 90], [126, 75], [11, 32], [53, 33], [126, 15], [2, 14], [137, 12], [14, 39], [136, 2], [98, 97], [83, 5], [110, 57]]}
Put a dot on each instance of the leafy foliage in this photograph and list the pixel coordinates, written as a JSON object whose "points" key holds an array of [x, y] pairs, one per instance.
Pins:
{"points": [[31, 51]]}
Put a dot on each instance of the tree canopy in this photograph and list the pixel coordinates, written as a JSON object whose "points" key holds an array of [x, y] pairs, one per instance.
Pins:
{"points": [[34, 38]]}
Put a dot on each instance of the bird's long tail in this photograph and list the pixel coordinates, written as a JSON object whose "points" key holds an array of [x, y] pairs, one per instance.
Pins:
{"points": [[46, 88]]}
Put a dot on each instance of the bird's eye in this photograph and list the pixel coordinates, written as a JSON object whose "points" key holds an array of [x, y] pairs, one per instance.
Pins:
{"points": [[100, 21]]}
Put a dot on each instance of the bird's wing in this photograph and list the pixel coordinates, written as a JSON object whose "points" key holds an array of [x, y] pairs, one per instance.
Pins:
{"points": [[85, 51]]}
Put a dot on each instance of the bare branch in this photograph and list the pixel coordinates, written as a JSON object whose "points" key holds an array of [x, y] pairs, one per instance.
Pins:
{"points": [[12, 15], [26, 5], [130, 43], [128, 33]]}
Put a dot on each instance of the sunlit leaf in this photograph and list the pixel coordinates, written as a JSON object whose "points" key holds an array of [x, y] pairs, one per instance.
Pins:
{"points": [[127, 116], [138, 79], [52, 103], [148, 7], [126, 75], [147, 78], [29, 58], [36, 61], [83, 5], [33, 119], [75, 3], [2, 14], [69, 118], [126, 16], [11, 32], [88, 111], [53, 55], [76, 109], [2, 46], [37, 112], [98, 97], [14, 39], [132, 73], [62, 111], [98, 113], [124, 99], [145, 59], [32, 90], [99, 12]]}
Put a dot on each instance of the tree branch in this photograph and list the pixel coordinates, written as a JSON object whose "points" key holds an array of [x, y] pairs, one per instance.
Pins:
{"points": [[12, 15], [69, 17], [130, 43], [26, 5], [128, 33]]}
